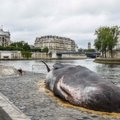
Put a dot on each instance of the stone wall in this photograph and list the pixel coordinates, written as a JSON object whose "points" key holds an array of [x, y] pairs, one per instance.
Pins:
{"points": [[40, 55], [116, 54], [10, 55], [74, 56]]}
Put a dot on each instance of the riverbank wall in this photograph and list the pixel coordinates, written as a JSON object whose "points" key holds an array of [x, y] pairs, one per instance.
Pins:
{"points": [[8, 111], [16, 55], [107, 60], [47, 58]]}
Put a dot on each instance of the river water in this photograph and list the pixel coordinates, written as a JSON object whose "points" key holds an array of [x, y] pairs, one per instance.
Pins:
{"points": [[111, 72]]}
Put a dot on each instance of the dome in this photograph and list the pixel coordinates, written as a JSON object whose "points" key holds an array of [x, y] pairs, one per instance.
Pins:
{"points": [[4, 33]]}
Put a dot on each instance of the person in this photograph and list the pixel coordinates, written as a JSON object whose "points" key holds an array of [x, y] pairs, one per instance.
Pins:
{"points": [[20, 71]]}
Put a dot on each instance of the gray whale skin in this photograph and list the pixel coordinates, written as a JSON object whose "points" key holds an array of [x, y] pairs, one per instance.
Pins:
{"points": [[82, 87]]}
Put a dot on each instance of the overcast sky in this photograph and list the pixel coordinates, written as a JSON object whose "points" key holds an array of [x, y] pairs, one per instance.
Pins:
{"points": [[76, 19]]}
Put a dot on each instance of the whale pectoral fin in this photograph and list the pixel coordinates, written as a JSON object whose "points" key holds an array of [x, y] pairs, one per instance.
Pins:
{"points": [[68, 97], [62, 91], [58, 91]]}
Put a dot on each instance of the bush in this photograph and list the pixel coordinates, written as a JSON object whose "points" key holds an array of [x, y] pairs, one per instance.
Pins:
{"points": [[26, 54]]}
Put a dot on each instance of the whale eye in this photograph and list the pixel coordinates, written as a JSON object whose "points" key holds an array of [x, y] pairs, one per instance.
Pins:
{"points": [[58, 66]]}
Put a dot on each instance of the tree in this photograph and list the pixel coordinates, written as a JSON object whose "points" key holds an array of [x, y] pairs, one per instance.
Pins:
{"points": [[11, 48], [23, 47], [26, 54], [113, 38], [102, 38], [17, 44], [45, 49], [106, 39], [26, 47], [97, 44]]}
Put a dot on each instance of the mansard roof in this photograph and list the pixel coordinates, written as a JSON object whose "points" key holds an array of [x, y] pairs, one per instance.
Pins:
{"points": [[52, 38]]}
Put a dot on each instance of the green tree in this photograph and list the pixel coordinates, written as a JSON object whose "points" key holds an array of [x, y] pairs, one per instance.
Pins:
{"points": [[45, 49], [97, 44], [11, 48], [23, 47], [21, 44], [17, 44], [102, 38], [26, 54], [26, 47], [106, 39], [113, 38]]}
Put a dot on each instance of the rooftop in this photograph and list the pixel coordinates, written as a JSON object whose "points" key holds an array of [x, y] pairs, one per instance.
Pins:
{"points": [[6, 33]]}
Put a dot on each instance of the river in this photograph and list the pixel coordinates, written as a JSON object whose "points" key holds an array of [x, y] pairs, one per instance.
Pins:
{"points": [[111, 72]]}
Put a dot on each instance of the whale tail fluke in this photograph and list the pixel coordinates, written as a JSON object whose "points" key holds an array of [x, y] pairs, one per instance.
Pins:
{"points": [[48, 69]]}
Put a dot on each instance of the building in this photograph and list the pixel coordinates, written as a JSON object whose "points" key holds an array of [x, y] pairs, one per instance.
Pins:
{"points": [[10, 55], [89, 45], [55, 43], [4, 38]]}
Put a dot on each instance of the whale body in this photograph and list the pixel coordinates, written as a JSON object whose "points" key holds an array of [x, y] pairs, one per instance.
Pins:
{"points": [[82, 87]]}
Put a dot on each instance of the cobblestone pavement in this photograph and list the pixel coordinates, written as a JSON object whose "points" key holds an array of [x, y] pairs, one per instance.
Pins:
{"points": [[26, 94]]}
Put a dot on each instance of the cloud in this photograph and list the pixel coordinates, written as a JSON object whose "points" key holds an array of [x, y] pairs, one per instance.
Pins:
{"points": [[76, 19]]}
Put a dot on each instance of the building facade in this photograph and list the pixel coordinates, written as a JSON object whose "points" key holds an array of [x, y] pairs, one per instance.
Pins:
{"points": [[89, 45], [4, 38], [10, 55], [55, 43]]}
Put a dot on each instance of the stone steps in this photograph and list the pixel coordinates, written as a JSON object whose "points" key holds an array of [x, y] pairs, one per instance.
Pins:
{"points": [[10, 111]]}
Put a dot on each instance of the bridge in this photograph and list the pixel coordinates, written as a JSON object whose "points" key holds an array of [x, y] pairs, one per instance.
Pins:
{"points": [[67, 54], [74, 54], [92, 54]]}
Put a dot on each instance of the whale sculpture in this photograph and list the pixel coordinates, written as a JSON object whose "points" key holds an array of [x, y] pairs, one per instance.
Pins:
{"points": [[82, 87]]}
